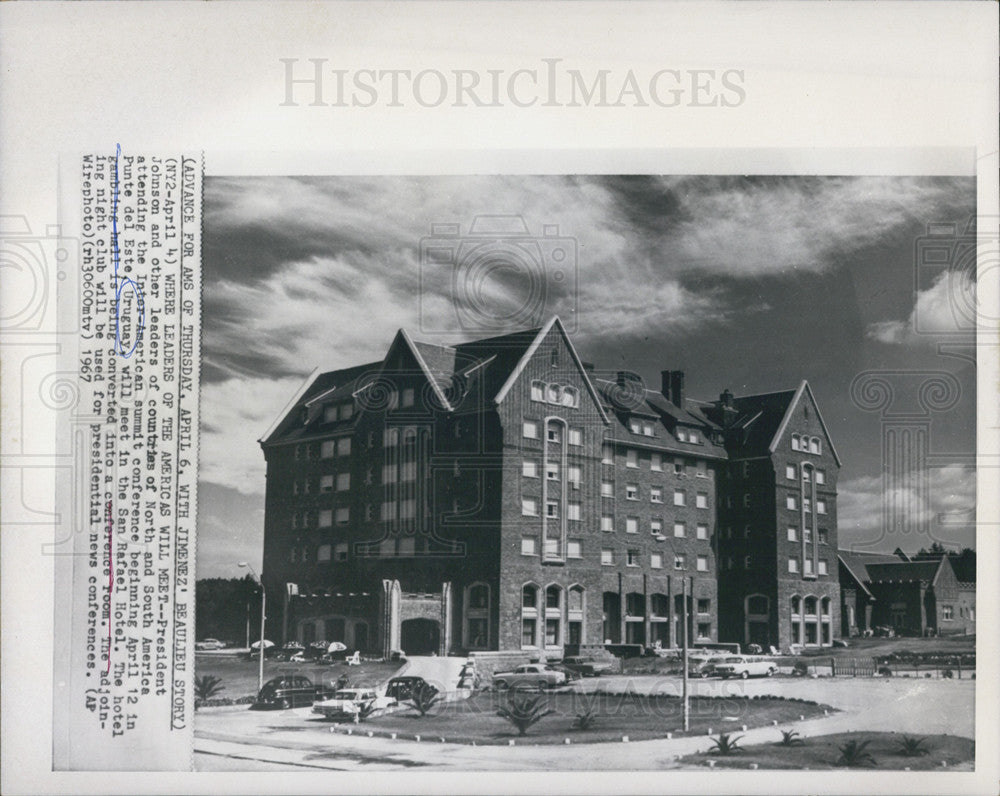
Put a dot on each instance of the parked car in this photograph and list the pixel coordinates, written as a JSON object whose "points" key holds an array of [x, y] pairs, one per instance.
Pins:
{"points": [[536, 675], [289, 691], [702, 667], [587, 667], [740, 666], [209, 644], [353, 703], [571, 674], [403, 688]]}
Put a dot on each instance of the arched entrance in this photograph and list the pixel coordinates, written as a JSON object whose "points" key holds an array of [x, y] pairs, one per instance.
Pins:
{"points": [[420, 636]]}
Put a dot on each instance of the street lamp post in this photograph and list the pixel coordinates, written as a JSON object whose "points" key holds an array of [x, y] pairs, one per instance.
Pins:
{"points": [[263, 616]]}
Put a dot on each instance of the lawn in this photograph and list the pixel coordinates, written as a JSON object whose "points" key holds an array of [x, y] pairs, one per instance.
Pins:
{"points": [[823, 752], [636, 716], [239, 675]]}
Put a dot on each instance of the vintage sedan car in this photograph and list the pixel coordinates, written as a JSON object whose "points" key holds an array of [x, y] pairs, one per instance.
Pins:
{"points": [[587, 667], [740, 666], [403, 688], [289, 691], [702, 667], [209, 644], [529, 675], [353, 703]]}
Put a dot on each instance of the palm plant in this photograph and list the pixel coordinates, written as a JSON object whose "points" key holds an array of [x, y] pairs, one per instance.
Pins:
{"points": [[524, 710], [725, 744], [423, 697], [206, 687], [912, 747], [790, 738], [855, 753], [584, 720]]}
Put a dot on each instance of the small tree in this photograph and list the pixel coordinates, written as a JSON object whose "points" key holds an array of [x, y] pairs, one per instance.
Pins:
{"points": [[524, 711], [206, 687], [725, 744], [790, 738], [855, 753], [912, 747], [423, 697]]}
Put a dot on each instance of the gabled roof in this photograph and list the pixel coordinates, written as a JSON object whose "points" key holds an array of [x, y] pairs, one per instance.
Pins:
{"points": [[904, 570]]}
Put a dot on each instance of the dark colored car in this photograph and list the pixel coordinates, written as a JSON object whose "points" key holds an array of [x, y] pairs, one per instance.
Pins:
{"points": [[290, 691], [402, 688], [586, 667]]}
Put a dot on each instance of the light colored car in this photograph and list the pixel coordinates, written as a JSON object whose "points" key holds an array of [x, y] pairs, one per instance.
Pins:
{"points": [[587, 667], [530, 675], [353, 703], [209, 644], [741, 666]]}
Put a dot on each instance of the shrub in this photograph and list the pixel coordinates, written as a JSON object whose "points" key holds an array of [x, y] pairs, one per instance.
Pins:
{"points": [[206, 687], [912, 747], [790, 738], [524, 711], [424, 697], [854, 754], [725, 744], [584, 720]]}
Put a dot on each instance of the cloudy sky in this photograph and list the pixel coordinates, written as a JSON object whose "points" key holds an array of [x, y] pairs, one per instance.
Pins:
{"points": [[747, 283]]}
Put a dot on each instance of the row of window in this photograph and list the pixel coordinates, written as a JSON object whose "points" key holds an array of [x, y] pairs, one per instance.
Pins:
{"points": [[334, 412], [324, 518], [574, 549], [327, 483], [655, 526], [657, 461], [792, 474], [804, 444], [558, 394], [793, 534], [655, 494], [792, 503], [529, 429], [325, 552], [793, 565]]}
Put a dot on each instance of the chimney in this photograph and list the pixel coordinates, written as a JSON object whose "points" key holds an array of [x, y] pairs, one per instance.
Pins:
{"points": [[672, 386], [726, 399]]}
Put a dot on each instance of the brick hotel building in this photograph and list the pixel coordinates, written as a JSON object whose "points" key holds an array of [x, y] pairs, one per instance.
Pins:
{"points": [[501, 494]]}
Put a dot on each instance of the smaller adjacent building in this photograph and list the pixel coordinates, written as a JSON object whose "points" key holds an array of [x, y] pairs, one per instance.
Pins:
{"points": [[914, 598]]}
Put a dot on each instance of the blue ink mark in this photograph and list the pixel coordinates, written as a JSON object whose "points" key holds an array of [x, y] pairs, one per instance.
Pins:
{"points": [[124, 283]]}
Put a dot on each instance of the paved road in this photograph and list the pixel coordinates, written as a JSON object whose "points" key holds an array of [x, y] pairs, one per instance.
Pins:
{"points": [[238, 739]]}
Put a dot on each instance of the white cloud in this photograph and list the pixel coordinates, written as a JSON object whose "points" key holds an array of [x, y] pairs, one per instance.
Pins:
{"points": [[946, 307], [923, 498]]}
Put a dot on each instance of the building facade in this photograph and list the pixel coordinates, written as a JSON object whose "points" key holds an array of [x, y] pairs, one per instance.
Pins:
{"points": [[501, 494]]}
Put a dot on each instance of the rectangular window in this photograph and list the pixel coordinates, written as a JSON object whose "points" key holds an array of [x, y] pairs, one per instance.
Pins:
{"points": [[407, 509], [814, 445], [529, 507], [822, 566], [607, 454], [330, 414], [574, 548], [346, 411], [631, 525], [607, 489], [791, 503], [693, 438], [656, 462], [808, 566], [679, 499], [632, 492], [323, 552], [553, 434], [656, 560], [807, 505], [574, 475], [326, 483], [631, 458], [343, 482], [607, 556], [632, 558], [647, 429], [327, 449], [574, 511], [821, 507], [791, 472], [793, 534], [748, 562], [793, 565], [529, 468], [326, 518], [340, 551], [576, 436], [390, 438], [681, 435], [528, 632], [342, 516], [702, 563], [656, 494], [701, 500], [407, 397], [821, 477], [823, 536], [552, 471], [704, 606], [635, 426], [702, 471], [704, 629], [680, 562], [702, 531], [343, 446], [795, 442], [389, 473], [552, 509], [537, 391], [680, 530], [806, 475], [408, 471], [529, 429], [607, 522], [947, 613], [679, 467], [656, 526], [529, 546]]}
